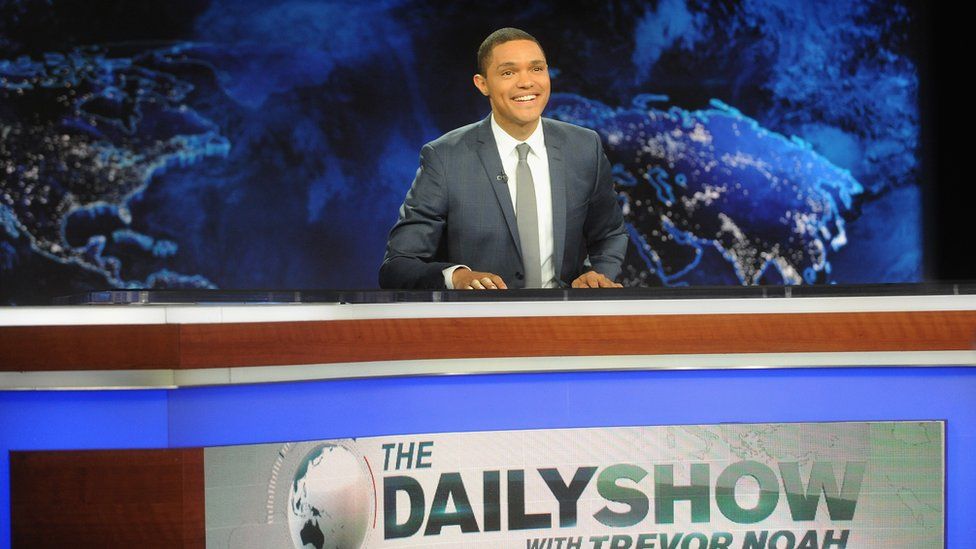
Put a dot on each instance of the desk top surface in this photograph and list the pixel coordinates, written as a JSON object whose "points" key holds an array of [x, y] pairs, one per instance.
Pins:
{"points": [[247, 306]]}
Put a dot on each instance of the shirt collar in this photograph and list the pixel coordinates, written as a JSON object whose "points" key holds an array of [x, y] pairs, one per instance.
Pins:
{"points": [[506, 143]]}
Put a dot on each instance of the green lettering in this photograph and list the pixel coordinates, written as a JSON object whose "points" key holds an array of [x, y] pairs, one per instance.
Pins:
{"points": [[450, 487], [621, 541], [517, 519], [830, 540], [645, 541], [409, 485], [720, 540], [666, 493], [567, 495], [783, 534], [809, 541], [754, 542], [493, 506], [768, 492], [804, 502], [606, 485]]}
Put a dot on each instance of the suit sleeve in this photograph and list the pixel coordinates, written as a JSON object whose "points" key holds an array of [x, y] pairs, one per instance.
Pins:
{"points": [[606, 238], [412, 259]]}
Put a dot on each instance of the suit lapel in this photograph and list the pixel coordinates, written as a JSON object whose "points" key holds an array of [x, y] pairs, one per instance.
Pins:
{"points": [[557, 178], [488, 153]]}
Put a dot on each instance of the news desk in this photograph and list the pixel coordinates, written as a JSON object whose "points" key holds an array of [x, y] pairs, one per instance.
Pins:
{"points": [[173, 372]]}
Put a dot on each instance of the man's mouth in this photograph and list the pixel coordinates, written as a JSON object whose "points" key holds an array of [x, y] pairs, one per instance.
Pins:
{"points": [[525, 98]]}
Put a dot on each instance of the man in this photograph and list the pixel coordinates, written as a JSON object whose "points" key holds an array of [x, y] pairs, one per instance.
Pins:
{"points": [[514, 200]]}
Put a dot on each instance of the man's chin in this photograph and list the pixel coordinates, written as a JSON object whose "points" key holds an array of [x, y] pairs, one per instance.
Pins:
{"points": [[528, 119], [532, 117]]}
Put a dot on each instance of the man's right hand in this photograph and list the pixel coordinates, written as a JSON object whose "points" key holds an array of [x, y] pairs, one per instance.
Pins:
{"points": [[466, 279]]}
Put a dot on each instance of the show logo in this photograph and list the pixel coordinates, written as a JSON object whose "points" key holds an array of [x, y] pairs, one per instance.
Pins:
{"points": [[762, 486], [626, 504]]}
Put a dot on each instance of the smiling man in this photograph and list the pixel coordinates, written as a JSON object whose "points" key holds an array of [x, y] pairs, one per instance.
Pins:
{"points": [[513, 201]]}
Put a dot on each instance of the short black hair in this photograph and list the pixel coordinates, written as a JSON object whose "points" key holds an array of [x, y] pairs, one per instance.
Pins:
{"points": [[501, 36]]}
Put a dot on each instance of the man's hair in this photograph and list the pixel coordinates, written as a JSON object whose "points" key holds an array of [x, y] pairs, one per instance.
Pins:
{"points": [[501, 36]]}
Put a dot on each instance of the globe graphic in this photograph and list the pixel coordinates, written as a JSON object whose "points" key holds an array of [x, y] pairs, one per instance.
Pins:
{"points": [[330, 502]]}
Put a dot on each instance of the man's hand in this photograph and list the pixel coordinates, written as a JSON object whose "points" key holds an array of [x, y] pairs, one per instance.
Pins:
{"points": [[466, 279], [593, 279]]}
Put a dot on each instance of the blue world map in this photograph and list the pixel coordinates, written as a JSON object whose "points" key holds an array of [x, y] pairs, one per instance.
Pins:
{"points": [[269, 145]]}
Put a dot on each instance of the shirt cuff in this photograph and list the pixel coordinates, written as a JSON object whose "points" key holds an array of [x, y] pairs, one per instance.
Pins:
{"points": [[449, 275]]}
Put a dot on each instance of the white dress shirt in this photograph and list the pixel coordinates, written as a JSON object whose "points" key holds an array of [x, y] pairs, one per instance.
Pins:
{"points": [[539, 165]]}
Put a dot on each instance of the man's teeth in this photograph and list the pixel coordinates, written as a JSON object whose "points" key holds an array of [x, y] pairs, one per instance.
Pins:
{"points": [[525, 98]]}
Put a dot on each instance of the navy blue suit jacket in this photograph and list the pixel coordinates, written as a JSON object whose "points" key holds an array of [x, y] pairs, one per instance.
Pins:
{"points": [[459, 211]]}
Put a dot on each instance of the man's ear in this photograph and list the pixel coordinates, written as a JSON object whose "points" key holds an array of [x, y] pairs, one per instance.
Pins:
{"points": [[481, 84]]}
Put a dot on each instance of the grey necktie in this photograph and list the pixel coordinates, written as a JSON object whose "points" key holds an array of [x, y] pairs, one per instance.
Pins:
{"points": [[527, 215]]}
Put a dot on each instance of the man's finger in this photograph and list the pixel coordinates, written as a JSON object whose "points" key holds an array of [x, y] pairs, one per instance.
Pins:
{"points": [[488, 283], [499, 283], [593, 279]]}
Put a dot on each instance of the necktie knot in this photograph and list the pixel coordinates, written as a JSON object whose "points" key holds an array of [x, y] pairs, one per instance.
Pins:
{"points": [[523, 151]]}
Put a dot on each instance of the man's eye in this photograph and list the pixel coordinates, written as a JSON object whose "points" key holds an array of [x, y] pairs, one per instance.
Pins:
{"points": [[537, 69], [507, 73]]}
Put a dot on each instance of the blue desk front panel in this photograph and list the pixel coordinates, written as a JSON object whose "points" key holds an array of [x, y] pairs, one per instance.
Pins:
{"points": [[214, 416]]}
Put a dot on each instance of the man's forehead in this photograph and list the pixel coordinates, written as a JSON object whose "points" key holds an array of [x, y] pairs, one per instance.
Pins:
{"points": [[513, 63], [517, 51]]}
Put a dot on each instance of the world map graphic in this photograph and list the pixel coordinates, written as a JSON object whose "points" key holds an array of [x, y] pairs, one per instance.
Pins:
{"points": [[266, 145]]}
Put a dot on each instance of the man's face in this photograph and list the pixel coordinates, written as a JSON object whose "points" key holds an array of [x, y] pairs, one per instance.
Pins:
{"points": [[516, 82]]}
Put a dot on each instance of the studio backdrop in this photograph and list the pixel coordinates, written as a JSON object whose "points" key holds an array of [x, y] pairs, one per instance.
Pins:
{"points": [[256, 144]]}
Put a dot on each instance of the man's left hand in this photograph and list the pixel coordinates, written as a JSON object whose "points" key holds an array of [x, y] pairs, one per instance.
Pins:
{"points": [[593, 279]]}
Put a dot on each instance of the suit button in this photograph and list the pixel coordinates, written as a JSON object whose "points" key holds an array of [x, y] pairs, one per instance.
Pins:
{"points": [[519, 276]]}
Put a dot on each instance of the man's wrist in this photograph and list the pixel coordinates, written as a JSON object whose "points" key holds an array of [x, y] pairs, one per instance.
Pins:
{"points": [[449, 275]]}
